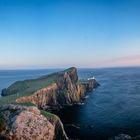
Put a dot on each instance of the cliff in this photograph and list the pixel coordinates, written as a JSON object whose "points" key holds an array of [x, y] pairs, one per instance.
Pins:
{"points": [[55, 90], [51, 91]]}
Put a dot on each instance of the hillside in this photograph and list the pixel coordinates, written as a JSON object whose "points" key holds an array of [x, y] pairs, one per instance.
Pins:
{"points": [[57, 89], [28, 99]]}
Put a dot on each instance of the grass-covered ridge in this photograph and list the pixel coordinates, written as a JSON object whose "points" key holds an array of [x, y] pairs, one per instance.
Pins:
{"points": [[48, 115], [28, 87]]}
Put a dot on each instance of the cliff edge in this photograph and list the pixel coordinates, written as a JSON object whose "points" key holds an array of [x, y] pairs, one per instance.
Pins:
{"points": [[23, 107], [55, 90]]}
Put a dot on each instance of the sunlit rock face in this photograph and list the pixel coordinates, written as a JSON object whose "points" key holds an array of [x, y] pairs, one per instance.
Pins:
{"points": [[24, 123], [27, 123], [65, 90]]}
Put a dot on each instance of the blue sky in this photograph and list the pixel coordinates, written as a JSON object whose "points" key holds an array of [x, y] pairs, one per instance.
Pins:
{"points": [[64, 33]]}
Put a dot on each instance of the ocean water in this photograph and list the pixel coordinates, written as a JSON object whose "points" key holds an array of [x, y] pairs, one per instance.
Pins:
{"points": [[111, 109]]}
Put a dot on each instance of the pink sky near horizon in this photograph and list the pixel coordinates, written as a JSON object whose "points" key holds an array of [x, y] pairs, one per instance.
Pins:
{"points": [[133, 60], [120, 62]]}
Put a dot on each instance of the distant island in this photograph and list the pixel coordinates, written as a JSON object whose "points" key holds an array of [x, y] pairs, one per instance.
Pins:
{"points": [[25, 105]]}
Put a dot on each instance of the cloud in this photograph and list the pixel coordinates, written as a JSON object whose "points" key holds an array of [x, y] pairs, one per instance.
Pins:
{"points": [[133, 60]]}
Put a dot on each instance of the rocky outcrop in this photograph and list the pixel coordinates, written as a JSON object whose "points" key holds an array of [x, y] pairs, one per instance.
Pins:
{"points": [[52, 91], [27, 123], [65, 90], [59, 129], [125, 137], [3, 92]]}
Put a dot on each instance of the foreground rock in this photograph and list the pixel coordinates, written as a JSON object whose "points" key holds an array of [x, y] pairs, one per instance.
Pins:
{"points": [[27, 123]]}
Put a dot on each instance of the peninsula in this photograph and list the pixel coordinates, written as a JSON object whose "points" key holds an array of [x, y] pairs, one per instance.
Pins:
{"points": [[25, 105]]}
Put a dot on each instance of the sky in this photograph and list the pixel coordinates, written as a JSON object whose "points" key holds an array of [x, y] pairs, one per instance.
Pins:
{"points": [[38, 34]]}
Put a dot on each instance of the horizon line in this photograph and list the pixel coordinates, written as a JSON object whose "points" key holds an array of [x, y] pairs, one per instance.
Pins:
{"points": [[53, 68]]}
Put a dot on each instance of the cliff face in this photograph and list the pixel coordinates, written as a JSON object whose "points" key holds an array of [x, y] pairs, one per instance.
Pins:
{"points": [[55, 90], [64, 91], [27, 123]]}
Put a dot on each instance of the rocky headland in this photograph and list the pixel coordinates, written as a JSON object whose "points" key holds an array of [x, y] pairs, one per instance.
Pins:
{"points": [[25, 104]]}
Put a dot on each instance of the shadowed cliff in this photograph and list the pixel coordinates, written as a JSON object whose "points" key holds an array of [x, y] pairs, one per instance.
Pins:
{"points": [[20, 120], [55, 90]]}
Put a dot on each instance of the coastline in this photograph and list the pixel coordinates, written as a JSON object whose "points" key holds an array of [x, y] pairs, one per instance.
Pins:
{"points": [[73, 92]]}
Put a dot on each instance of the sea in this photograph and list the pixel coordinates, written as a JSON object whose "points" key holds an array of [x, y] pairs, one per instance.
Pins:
{"points": [[111, 109]]}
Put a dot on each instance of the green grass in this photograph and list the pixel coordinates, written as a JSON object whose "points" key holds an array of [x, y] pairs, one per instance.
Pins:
{"points": [[47, 114], [25, 104], [2, 123], [8, 99], [11, 99], [28, 87]]}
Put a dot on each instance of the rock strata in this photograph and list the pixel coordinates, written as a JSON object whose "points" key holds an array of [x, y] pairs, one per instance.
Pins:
{"points": [[66, 90], [27, 123], [53, 91]]}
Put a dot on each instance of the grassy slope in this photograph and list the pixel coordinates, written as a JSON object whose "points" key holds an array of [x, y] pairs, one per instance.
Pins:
{"points": [[25, 88], [28, 87], [48, 115]]}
